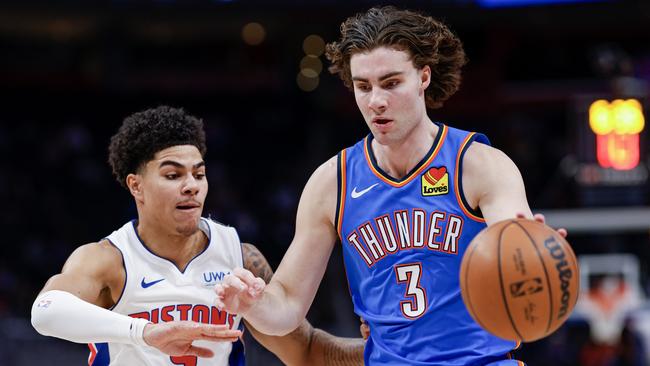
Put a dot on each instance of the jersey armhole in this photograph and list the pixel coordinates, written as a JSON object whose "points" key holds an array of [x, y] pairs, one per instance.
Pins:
{"points": [[473, 213], [126, 274], [340, 191]]}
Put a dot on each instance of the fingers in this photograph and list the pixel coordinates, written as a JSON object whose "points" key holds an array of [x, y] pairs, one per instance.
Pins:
{"points": [[229, 288], [208, 332], [199, 352], [234, 281], [255, 285], [219, 332], [542, 219], [364, 329]]}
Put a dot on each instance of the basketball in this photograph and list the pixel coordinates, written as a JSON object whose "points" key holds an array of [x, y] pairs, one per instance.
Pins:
{"points": [[519, 279]]}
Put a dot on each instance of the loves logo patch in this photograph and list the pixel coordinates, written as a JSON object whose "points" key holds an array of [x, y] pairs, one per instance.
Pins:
{"points": [[435, 181]]}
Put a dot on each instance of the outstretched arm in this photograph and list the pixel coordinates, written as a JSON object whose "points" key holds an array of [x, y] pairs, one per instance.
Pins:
{"points": [[72, 306], [279, 308], [492, 181], [305, 345]]}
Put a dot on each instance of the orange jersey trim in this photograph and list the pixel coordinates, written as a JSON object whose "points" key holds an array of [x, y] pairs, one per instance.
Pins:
{"points": [[414, 174], [466, 210], [342, 194]]}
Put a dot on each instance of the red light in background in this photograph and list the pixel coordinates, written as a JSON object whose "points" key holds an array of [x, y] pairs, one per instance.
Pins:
{"points": [[617, 126]]}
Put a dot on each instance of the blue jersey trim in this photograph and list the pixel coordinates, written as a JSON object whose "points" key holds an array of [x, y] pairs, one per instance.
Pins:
{"points": [[126, 274], [135, 229], [103, 357], [238, 353]]}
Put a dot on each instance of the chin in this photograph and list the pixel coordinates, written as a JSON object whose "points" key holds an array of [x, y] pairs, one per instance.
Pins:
{"points": [[188, 228]]}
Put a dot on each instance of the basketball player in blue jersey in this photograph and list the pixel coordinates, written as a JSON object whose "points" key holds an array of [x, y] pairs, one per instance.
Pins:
{"points": [[144, 294], [405, 202]]}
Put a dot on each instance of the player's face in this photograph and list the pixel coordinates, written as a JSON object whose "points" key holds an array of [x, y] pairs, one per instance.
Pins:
{"points": [[174, 188], [389, 91]]}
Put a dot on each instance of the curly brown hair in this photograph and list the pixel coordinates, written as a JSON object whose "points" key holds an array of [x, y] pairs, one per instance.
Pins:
{"points": [[428, 41], [145, 133]]}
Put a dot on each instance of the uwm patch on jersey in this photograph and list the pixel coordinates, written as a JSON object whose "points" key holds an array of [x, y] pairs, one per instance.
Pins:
{"points": [[435, 182]]}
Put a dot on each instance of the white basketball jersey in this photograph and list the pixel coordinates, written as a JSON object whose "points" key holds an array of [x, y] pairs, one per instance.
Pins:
{"points": [[157, 290]]}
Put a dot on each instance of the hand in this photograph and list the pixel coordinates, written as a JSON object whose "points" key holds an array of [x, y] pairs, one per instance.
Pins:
{"points": [[175, 338], [239, 291], [364, 329], [540, 218]]}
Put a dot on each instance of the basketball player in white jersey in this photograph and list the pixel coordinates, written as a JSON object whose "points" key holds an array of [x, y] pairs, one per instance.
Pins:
{"points": [[143, 295]]}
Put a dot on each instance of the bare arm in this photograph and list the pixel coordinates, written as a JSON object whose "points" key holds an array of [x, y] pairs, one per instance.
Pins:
{"points": [[72, 306], [305, 345], [492, 182], [93, 272], [280, 307]]}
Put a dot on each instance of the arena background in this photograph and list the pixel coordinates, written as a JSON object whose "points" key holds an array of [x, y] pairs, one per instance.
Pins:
{"points": [[71, 70]]}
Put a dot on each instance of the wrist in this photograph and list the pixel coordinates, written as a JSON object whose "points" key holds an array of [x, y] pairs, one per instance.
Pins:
{"points": [[137, 331]]}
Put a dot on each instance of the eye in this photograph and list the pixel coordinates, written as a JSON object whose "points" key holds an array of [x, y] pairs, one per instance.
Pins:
{"points": [[171, 176], [199, 175], [363, 87], [391, 84]]}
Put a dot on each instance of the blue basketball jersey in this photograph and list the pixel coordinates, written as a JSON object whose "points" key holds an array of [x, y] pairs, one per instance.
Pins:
{"points": [[403, 241]]}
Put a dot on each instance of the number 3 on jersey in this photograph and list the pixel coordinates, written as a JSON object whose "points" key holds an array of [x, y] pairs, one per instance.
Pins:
{"points": [[416, 303]]}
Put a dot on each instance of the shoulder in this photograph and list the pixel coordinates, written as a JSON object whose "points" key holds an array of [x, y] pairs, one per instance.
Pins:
{"points": [[99, 257], [328, 171], [487, 170], [322, 186], [325, 177], [481, 158]]}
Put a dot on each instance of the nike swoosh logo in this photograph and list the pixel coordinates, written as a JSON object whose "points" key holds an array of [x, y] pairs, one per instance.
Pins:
{"points": [[356, 194], [149, 284]]}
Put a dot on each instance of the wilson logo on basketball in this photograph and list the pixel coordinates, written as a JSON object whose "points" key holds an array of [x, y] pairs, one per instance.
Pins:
{"points": [[526, 287], [435, 182], [564, 272]]}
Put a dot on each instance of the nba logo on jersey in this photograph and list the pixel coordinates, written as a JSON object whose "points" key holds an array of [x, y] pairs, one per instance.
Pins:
{"points": [[435, 182]]}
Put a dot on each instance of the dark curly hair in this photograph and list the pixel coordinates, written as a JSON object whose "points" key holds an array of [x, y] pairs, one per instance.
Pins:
{"points": [[428, 41], [145, 133]]}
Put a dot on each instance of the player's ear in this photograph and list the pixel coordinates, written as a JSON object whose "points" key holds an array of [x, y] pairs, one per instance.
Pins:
{"points": [[134, 182], [425, 77]]}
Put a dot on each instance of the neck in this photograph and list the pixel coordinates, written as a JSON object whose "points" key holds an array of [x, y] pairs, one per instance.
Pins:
{"points": [[178, 248], [400, 157]]}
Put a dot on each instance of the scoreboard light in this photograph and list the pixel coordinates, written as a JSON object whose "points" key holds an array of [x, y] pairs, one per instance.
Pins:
{"points": [[617, 126]]}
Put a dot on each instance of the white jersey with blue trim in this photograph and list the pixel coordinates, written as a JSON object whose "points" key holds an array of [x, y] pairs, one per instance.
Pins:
{"points": [[157, 290]]}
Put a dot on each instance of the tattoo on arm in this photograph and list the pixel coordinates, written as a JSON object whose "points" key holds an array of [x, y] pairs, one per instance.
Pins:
{"points": [[255, 262], [339, 351], [336, 351]]}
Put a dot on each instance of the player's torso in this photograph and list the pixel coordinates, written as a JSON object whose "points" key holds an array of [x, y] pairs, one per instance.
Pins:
{"points": [[157, 290], [403, 241]]}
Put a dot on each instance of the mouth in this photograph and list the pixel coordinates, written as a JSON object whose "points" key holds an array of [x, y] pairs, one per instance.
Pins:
{"points": [[381, 121], [187, 206]]}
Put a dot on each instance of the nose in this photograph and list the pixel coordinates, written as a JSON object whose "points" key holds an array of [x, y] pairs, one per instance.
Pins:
{"points": [[378, 101], [191, 185]]}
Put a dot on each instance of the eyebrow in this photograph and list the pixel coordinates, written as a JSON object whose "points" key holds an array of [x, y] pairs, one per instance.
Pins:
{"points": [[179, 165], [383, 77]]}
